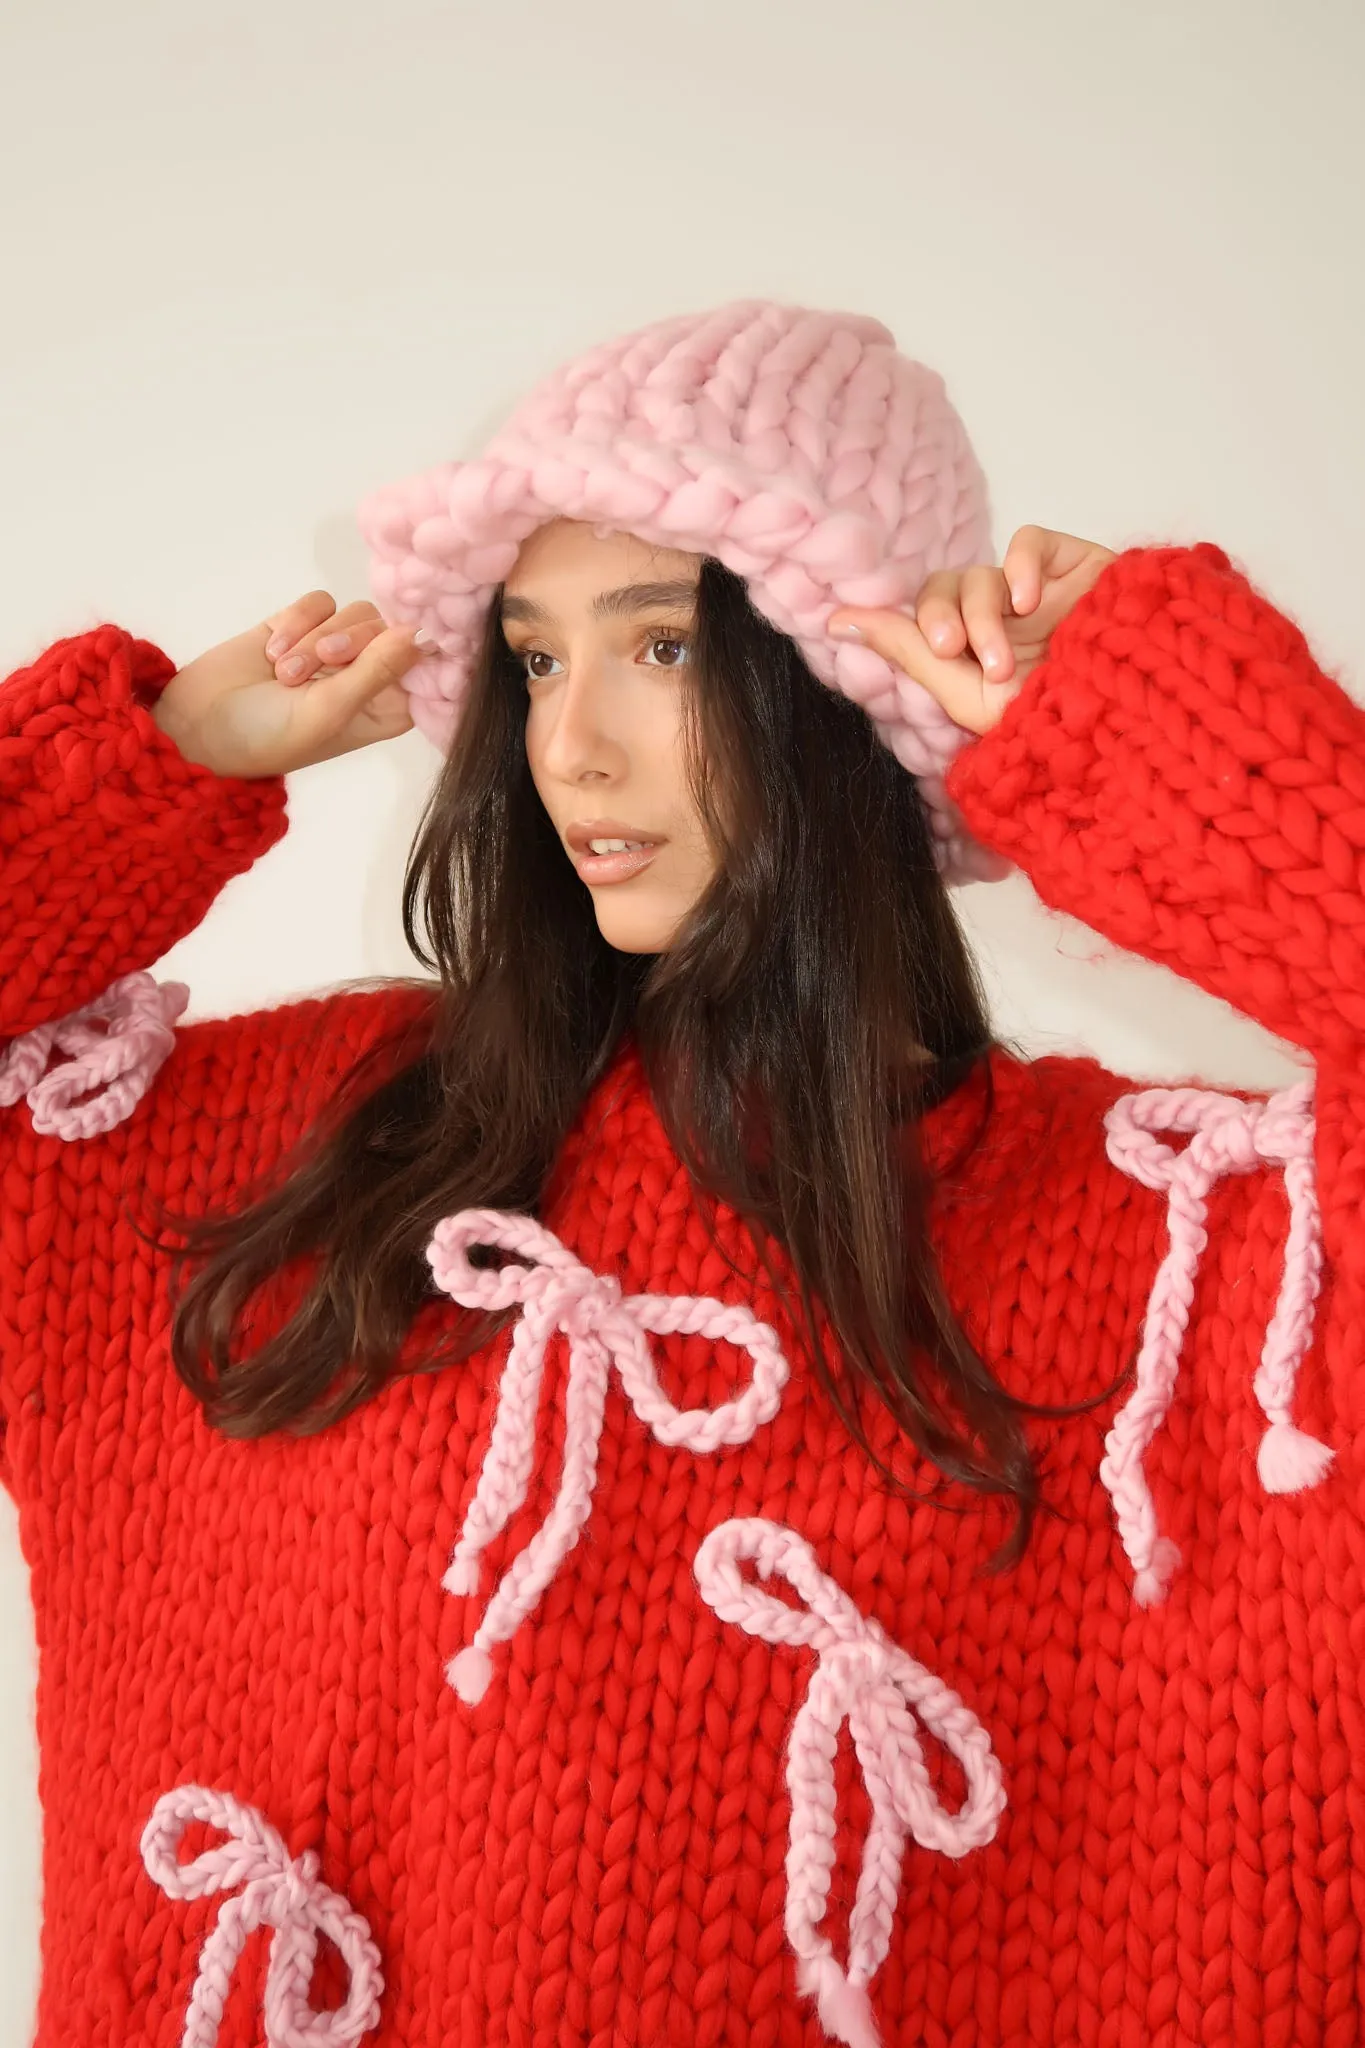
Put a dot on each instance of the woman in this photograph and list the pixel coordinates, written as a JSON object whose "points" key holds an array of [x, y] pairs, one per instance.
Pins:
{"points": [[666, 1669]]}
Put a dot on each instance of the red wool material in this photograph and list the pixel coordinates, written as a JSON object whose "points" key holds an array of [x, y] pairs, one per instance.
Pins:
{"points": [[596, 1691]]}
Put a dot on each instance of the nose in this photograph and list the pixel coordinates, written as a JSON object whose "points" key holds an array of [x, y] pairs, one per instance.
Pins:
{"points": [[579, 739]]}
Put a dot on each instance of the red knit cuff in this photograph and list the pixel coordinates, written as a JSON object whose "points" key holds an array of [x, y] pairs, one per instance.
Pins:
{"points": [[1181, 775], [112, 844]]}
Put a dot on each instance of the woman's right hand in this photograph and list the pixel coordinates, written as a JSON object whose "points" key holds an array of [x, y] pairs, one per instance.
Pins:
{"points": [[231, 711]]}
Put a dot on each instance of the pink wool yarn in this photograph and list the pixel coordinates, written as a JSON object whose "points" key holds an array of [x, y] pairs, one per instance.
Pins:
{"points": [[799, 448], [605, 1328], [868, 1681], [278, 1891], [1226, 1136]]}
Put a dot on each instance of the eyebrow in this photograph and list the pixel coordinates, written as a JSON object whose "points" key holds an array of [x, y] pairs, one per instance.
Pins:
{"points": [[608, 604]]}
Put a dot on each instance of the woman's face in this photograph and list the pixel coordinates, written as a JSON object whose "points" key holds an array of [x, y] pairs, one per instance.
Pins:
{"points": [[602, 629]]}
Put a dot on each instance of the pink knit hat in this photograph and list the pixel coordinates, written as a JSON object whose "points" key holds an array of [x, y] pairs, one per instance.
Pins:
{"points": [[797, 447]]}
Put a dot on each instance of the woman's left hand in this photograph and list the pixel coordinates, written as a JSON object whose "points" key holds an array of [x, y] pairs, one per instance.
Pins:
{"points": [[976, 633]]}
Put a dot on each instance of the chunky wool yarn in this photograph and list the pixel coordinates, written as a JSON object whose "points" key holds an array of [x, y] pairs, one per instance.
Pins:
{"points": [[598, 1689], [277, 1891], [799, 448]]}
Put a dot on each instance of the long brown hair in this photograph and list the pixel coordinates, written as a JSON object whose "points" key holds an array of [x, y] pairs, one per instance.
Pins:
{"points": [[814, 1003]]}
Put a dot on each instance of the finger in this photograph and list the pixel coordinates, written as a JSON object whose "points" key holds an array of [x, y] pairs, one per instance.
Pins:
{"points": [[1040, 556], [330, 701], [284, 627], [938, 611], [335, 641], [1023, 567], [348, 619], [957, 683], [984, 599]]}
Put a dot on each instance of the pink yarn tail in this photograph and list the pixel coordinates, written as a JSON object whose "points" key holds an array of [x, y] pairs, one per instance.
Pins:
{"points": [[1152, 1581], [1226, 1136], [845, 2009], [1289, 1460], [470, 1673]]}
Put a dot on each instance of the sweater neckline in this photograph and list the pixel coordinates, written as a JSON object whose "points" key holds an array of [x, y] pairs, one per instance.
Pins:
{"points": [[947, 1129]]}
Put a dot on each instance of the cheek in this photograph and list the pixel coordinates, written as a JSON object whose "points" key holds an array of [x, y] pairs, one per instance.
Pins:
{"points": [[663, 758], [535, 736], [685, 800]]}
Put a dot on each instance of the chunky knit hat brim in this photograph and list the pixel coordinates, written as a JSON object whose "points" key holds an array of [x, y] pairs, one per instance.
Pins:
{"points": [[798, 448]]}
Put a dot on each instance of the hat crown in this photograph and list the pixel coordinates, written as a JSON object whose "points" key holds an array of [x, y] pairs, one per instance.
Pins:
{"points": [[820, 397]]}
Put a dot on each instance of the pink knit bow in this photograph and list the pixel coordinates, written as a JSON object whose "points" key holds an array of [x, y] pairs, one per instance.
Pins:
{"points": [[278, 1892], [865, 1678], [1230, 1136], [604, 1328], [118, 1063]]}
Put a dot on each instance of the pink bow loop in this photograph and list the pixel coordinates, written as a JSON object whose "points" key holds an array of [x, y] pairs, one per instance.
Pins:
{"points": [[1228, 1136], [605, 1328], [113, 1068], [866, 1679], [278, 1891]]}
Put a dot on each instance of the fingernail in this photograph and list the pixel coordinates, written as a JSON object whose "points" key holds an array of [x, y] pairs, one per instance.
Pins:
{"points": [[292, 667], [333, 644], [847, 631], [275, 646], [421, 638], [940, 636]]}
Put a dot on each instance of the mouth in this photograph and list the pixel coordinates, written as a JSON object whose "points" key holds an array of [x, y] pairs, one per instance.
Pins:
{"points": [[608, 850], [619, 866]]}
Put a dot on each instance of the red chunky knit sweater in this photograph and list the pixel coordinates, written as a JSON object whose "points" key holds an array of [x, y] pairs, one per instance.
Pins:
{"points": [[650, 1717]]}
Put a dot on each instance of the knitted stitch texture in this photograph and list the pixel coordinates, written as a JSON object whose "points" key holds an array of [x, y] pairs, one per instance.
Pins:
{"points": [[798, 447], [747, 1752]]}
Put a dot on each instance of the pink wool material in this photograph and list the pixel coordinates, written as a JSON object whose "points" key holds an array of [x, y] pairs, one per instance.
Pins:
{"points": [[799, 448], [604, 1328], [119, 1041], [277, 1892], [1228, 1136], [869, 1681]]}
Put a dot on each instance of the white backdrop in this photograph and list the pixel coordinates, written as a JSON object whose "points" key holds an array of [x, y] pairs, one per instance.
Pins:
{"points": [[262, 259]]}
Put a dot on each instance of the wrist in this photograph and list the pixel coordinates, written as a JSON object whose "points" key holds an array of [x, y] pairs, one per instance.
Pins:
{"points": [[163, 716]]}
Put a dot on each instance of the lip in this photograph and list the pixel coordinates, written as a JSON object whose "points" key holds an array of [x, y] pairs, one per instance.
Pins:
{"points": [[598, 869], [577, 836]]}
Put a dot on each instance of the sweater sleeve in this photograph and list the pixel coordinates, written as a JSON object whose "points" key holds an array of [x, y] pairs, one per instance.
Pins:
{"points": [[1183, 776], [112, 844]]}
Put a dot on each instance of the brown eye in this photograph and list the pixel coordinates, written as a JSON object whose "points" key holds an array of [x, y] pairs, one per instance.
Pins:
{"points": [[535, 674], [677, 655]]}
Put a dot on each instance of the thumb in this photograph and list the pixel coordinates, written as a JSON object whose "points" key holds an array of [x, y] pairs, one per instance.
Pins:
{"points": [[326, 704]]}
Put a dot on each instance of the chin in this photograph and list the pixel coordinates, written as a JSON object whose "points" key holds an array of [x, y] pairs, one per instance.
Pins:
{"points": [[636, 928]]}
